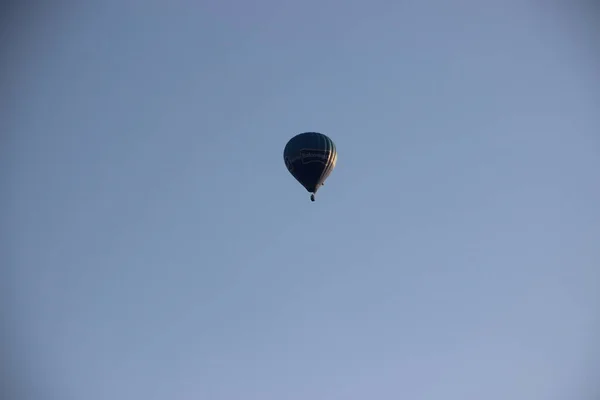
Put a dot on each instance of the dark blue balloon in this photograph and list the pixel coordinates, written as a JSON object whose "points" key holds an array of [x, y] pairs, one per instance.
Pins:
{"points": [[310, 157]]}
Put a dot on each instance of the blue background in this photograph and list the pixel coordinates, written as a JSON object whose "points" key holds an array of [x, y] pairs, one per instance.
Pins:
{"points": [[159, 249]]}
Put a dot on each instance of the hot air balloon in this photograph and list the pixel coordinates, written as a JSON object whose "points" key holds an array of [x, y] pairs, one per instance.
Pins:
{"points": [[310, 157]]}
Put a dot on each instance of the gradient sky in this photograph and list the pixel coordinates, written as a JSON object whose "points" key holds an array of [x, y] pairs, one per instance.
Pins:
{"points": [[159, 249]]}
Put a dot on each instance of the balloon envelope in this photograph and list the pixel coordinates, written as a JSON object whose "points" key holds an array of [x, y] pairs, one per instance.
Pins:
{"points": [[310, 157]]}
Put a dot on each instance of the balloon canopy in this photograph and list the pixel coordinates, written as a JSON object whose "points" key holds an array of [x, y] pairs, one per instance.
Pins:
{"points": [[310, 157]]}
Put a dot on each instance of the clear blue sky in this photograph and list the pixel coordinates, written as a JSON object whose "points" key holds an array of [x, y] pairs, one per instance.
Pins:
{"points": [[159, 249]]}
